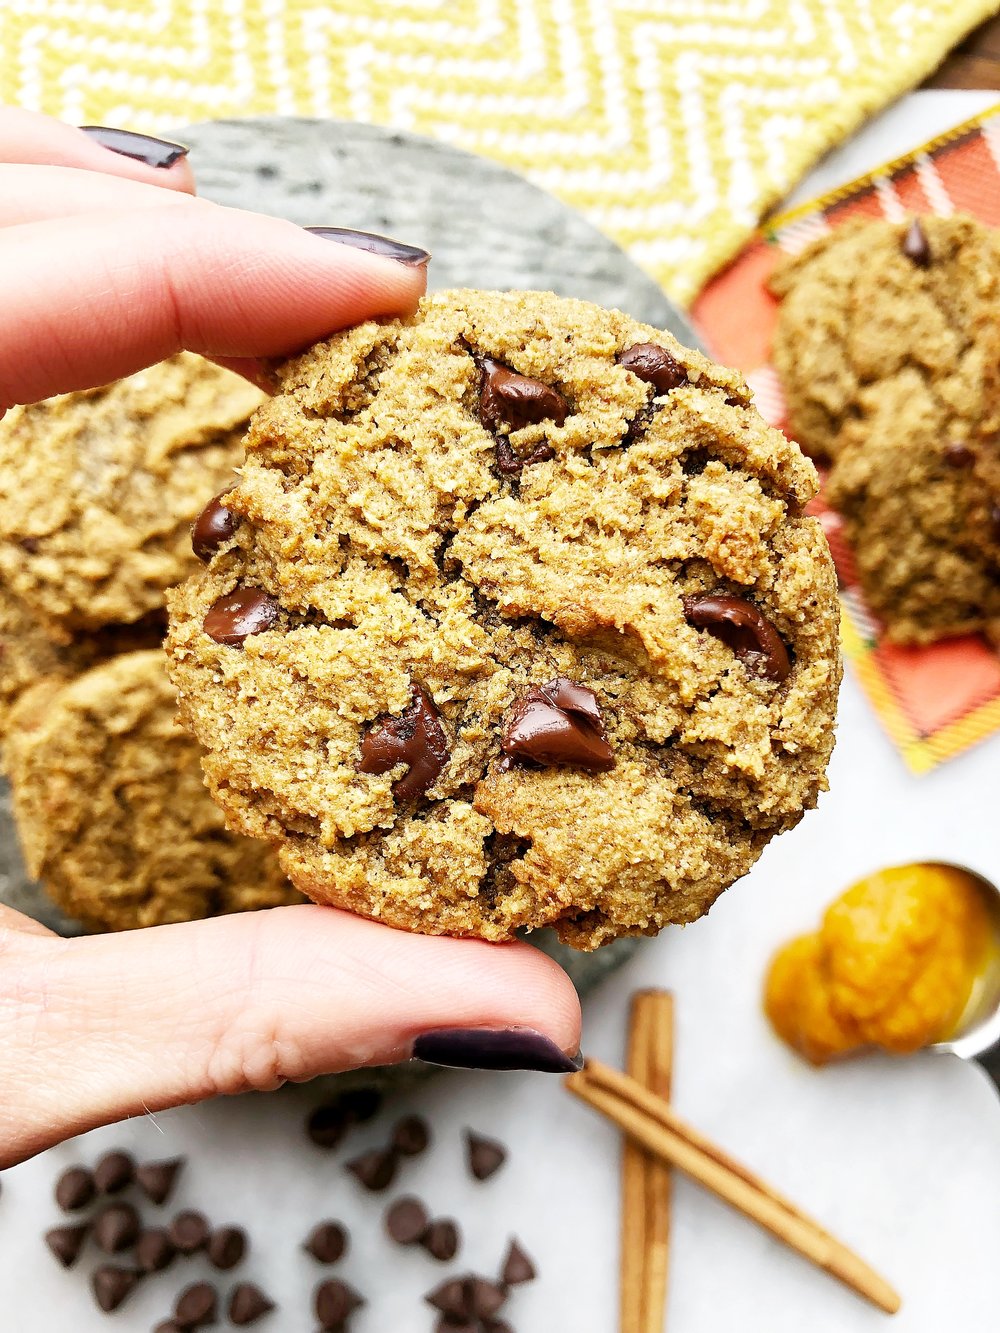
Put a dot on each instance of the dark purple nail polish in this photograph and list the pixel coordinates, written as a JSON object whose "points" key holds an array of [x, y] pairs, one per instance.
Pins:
{"points": [[374, 244], [141, 147], [489, 1048]]}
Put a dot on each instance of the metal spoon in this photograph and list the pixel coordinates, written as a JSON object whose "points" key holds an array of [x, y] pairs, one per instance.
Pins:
{"points": [[977, 1036]]}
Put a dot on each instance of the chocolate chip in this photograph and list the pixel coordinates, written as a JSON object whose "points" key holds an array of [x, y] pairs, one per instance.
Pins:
{"points": [[327, 1125], [406, 1220], [154, 1250], [376, 1169], [75, 1188], [483, 1298], [360, 1104], [112, 1285], [517, 1267], [116, 1227], [559, 723], [213, 526], [335, 1302], [189, 1231], [66, 1243], [411, 1136], [415, 738], [327, 1242], [226, 1247], [450, 1299], [168, 1326], [744, 629], [157, 1179], [247, 1304], [235, 616], [113, 1172], [654, 365], [510, 400], [916, 246], [495, 1326], [197, 1306], [510, 464], [958, 455], [441, 1239], [448, 1325], [484, 1156]]}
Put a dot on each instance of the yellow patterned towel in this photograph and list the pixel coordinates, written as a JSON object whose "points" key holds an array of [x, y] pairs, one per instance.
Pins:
{"points": [[673, 124]]}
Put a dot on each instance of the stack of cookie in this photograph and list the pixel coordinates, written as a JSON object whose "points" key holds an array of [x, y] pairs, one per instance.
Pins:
{"points": [[888, 347], [98, 492]]}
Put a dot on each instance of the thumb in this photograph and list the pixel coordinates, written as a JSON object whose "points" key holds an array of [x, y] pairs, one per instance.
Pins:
{"points": [[113, 1025]]}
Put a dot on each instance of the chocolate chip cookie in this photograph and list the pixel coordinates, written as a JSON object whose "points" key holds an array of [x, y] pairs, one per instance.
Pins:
{"points": [[98, 489], [884, 324], [514, 619], [111, 806]]}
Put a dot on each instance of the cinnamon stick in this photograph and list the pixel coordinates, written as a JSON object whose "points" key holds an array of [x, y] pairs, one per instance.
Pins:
{"points": [[645, 1221], [654, 1124]]}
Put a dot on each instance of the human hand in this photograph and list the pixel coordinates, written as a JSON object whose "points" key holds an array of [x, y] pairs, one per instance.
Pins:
{"points": [[104, 271]]}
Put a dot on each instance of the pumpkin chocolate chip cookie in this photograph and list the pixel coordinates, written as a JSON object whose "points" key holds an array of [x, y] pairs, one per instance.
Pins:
{"points": [[98, 489], [513, 619], [112, 810]]}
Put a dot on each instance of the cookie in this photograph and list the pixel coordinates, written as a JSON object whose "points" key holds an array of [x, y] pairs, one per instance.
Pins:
{"points": [[31, 650], [514, 620], [98, 489], [112, 810], [888, 326]]}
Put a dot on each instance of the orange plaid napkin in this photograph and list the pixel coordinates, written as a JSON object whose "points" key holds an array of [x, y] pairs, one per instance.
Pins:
{"points": [[936, 701]]}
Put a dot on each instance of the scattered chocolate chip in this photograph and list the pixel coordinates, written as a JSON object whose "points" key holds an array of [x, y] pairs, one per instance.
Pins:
{"points": [[485, 1156], [450, 1299], [517, 1267], [154, 1250], [327, 1125], [236, 615], [958, 455], [411, 1136], [157, 1179], [197, 1306], [495, 1326], [66, 1243], [116, 1227], [483, 1298], [441, 1239], [75, 1188], [510, 464], [416, 738], [189, 1231], [335, 1302], [360, 1104], [112, 1285], [512, 400], [744, 629], [327, 1242], [447, 1325], [247, 1304], [654, 365], [226, 1247], [559, 723], [213, 526], [375, 1170], [916, 246], [406, 1220], [168, 1326], [113, 1172]]}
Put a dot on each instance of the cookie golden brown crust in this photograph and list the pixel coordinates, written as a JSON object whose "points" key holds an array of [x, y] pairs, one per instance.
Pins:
{"points": [[98, 489], [112, 810], [433, 569]]}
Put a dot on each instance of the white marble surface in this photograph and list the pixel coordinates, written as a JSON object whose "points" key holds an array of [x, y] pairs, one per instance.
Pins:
{"points": [[900, 1159]]}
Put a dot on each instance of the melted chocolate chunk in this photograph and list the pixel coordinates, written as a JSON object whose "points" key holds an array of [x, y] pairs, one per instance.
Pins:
{"points": [[559, 723], [510, 464], [416, 737], [236, 615], [744, 629], [958, 455], [213, 526], [654, 365], [916, 246], [506, 398]]}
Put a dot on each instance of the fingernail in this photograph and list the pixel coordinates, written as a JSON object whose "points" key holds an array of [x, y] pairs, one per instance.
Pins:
{"points": [[374, 244], [141, 147], [494, 1048]]}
